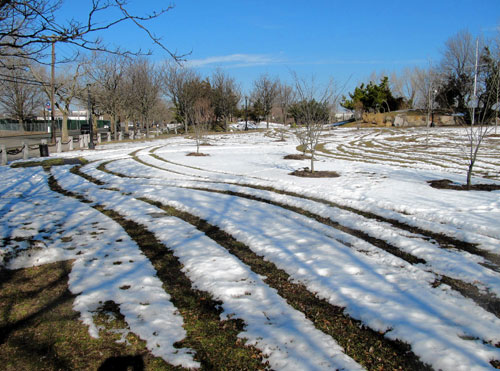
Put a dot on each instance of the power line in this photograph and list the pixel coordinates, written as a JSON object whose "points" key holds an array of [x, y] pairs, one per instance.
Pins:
{"points": [[21, 80]]}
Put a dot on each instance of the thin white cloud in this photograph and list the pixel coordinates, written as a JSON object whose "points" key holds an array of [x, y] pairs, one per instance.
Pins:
{"points": [[252, 60], [235, 60], [491, 29], [363, 61]]}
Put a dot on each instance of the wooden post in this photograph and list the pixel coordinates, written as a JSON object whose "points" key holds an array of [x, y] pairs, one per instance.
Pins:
{"points": [[4, 154], [26, 151]]}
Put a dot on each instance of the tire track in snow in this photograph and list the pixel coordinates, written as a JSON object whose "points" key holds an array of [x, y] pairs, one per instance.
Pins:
{"points": [[348, 332], [160, 194], [196, 306], [443, 241], [388, 144], [281, 332], [484, 298]]}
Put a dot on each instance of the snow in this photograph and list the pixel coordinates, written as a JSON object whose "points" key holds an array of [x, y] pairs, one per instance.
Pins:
{"points": [[63, 228], [384, 172], [243, 293]]}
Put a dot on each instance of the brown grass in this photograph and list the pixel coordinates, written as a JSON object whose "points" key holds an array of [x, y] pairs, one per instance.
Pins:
{"points": [[297, 157], [305, 173], [39, 330], [448, 184]]}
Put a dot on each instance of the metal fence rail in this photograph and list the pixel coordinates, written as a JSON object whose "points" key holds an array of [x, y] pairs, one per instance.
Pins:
{"points": [[41, 126]]}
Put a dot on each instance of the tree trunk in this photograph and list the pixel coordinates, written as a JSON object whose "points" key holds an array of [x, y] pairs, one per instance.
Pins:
{"points": [[21, 124], [113, 124], [64, 128], [469, 175]]}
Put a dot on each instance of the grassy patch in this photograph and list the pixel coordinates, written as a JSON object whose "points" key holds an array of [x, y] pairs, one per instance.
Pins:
{"points": [[40, 331], [485, 299], [47, 164]]}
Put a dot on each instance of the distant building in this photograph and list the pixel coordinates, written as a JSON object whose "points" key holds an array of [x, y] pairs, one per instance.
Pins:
{"points": [[74, 115], [342, 116]]}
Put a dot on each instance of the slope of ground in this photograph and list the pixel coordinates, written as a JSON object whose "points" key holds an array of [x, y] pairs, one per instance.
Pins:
{"points": [[228, 260]]}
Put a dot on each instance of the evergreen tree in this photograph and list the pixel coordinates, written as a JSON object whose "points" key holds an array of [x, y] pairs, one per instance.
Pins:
{"points": [[373, 97]]}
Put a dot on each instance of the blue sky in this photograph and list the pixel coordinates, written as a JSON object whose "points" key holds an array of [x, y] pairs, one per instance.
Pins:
{"points": [[346, 40]]}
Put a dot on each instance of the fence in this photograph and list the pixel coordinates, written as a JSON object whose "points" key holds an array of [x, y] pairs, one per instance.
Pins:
{"points": [[43, 126], [80, 142]]}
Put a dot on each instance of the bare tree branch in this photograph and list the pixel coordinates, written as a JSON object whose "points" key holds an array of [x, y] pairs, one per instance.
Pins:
{"points": [[28, 27]]}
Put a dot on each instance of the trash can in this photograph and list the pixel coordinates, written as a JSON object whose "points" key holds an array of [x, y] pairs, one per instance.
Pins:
{"points": [[44, 150]]}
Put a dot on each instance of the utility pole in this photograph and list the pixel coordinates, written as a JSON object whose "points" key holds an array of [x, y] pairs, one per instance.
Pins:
{"points": [[91, 124], [53, 91]]}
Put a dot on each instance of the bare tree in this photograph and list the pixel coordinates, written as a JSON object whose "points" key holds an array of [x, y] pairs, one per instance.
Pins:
{"points": [[312, 110], [264, 95], [107, 74], [225, 96], [162, 113], [457, 72], [300, 133], [203, 115], [404, 85], [68, 87], [143, 90], [427, 82], [483, 97], [284, 99], [176, 81], [469, 87], [29, 27], [20, 97]]}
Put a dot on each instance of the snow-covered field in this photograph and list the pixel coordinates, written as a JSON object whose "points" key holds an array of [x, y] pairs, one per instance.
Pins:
{"points": [[243, 187]]}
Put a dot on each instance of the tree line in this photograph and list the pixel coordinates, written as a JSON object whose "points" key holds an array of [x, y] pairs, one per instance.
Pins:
{"points": [[465, 79], [133, 89], [126, 87]]}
